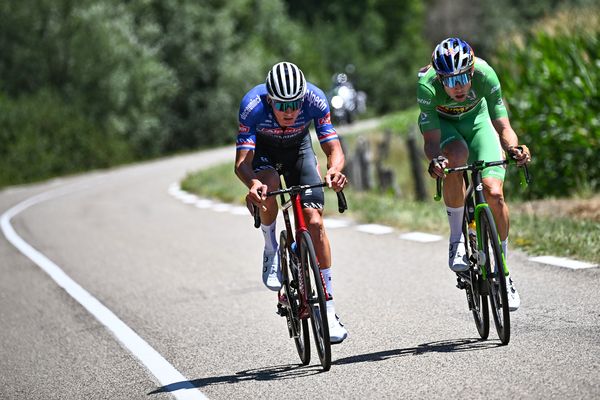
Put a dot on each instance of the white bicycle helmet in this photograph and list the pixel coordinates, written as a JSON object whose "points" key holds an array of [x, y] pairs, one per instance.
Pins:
{"points": [[452, 56], [285, 82]]}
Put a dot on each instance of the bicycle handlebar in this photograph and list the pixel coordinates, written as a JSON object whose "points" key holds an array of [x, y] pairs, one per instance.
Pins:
{"points": [[479, 166], [342, 203]]}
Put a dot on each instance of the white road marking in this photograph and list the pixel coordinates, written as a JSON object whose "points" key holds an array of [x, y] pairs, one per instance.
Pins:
{"points": [[190, 199], [240, 210], [375, 229], [221, 207], [164, 372], [204, 203], [420, 237], [332, 223], [562, 262]]}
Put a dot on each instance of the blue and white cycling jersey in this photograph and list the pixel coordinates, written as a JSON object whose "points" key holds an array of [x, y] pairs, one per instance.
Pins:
{"points": [[258, 123]]}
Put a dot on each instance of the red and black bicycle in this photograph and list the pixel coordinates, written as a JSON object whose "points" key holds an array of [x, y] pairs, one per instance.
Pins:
{"points": [[303, 295]]}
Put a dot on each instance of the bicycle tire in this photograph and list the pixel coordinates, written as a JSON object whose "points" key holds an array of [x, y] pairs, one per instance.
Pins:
{"points": [[316, 300], [289, 276], [495, 276], [478, 304]]}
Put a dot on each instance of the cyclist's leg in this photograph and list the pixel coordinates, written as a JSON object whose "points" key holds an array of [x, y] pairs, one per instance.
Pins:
{"points": [[313, 202], [455, 149], [305, 171], [264, 168], [266, 173], [485, 145]]}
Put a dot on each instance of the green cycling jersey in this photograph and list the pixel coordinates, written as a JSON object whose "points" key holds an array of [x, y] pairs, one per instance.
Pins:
{"points": [[485, 96]]}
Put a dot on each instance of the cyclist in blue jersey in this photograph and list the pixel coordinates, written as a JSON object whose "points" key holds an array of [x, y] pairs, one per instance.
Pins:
{"points": [[463, 119], [274, 119]]}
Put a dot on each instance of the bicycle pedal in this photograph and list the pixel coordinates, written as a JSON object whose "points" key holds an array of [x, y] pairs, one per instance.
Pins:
{"points": [[479, 257], [281, 311]]}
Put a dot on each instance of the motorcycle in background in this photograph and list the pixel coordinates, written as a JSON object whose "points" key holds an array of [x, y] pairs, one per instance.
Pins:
{"points": [[346, 102]]}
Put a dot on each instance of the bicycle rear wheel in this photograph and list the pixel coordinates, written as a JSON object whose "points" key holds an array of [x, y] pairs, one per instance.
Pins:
{"points": [[495, 275], [477, 301], [298, 328], [316, 300]]}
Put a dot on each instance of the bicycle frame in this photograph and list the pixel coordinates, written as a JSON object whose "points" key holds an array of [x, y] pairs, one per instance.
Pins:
{"points": [[476, 187], [300, 224]]}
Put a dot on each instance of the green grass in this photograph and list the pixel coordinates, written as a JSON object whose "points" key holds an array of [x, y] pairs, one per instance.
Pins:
{"points": [[537, 235], [579, 239]]}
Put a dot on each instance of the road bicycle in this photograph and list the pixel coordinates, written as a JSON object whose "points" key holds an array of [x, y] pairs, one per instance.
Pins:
{"points": [[303, 294], [486, 276]]}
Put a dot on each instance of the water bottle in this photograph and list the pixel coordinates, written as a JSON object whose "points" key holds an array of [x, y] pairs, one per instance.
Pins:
{"points": [[472, 229]]}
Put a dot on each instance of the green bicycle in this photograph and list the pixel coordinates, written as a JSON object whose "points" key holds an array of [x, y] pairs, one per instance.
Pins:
{"points": [[486, 276]]}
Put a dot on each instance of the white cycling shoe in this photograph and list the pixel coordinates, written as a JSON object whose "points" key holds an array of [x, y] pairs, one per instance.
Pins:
{"points": [[514, 300], [337, 332], [271, 273], [457, 257]]}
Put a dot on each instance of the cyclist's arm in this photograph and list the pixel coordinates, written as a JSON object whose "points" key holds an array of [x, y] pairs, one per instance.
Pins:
{"points": [[510, 141], [432, 143], [245, 172], [335, 164], [508, 137]]}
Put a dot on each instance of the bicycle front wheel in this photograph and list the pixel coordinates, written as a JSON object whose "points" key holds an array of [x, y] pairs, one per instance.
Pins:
{"points": [[495, 275], [298, 328], [316, 299]]}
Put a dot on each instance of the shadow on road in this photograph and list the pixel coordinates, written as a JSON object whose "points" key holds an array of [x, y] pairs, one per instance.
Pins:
{"points": [[445, 346], [260, 374]]}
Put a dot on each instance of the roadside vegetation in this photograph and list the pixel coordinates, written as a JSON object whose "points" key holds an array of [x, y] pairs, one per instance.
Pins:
{"points": [[539, 227]]}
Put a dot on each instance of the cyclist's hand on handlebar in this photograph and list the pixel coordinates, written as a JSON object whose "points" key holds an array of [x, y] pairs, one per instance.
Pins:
{"points": [[257, 193], [520, 154], [335, 179], [436, 167]]}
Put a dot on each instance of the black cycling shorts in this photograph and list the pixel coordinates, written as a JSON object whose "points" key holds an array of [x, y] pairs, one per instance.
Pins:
{"points": [[298, 165]]}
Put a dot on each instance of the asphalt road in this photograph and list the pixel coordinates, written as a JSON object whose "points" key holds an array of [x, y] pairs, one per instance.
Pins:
{"points": [[187, 281]]}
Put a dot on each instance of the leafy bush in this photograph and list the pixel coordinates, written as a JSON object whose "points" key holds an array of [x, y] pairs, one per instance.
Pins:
{"points": [[550, 77], [43, 137]]}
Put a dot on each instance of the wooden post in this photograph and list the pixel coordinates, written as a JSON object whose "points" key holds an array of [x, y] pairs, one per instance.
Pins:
{"points": [[416, 166]]}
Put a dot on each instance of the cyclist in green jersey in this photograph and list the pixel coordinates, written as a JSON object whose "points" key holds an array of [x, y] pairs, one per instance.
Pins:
{"points": [[463, 119]]}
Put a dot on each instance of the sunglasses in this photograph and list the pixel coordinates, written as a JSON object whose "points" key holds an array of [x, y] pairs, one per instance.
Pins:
{"points": [[288, 105], [453, 80]]}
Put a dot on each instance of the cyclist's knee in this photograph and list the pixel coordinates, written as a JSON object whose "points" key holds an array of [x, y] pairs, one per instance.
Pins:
{"points": [[269, 177], [456, 152], [313, 218], [494, 193]]}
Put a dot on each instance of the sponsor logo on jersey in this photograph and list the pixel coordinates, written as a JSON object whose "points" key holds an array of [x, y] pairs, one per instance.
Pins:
{"points": [[279, 131], [253, 103], [471, 95], [424, 101], [495, 89], [244, 128], [326, 120], [456, 110], [423, 117], [315, 100]]}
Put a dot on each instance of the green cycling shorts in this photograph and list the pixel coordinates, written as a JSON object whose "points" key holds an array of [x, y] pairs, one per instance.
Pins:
{"points": [[481, 138]]}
